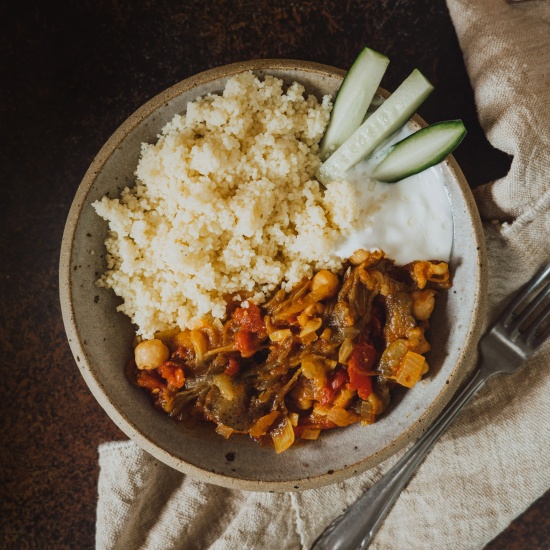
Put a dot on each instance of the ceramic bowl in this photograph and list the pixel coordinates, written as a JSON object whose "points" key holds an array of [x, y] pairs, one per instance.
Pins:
{"points": [[101, 339]]}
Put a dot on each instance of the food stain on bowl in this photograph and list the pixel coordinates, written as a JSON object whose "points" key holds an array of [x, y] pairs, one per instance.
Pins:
{"points": [[197, 450]]}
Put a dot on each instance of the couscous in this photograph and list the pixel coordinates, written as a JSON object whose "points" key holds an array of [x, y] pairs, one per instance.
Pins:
{"points": [[226, 204]]}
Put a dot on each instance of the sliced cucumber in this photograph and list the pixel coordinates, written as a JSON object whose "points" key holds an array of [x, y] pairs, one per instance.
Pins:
{"points": [[420, 151], [385, 121], [353, 99]]}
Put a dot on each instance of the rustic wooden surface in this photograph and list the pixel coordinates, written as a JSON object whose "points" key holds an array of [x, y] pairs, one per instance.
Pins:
{"points": [[71, 73]]}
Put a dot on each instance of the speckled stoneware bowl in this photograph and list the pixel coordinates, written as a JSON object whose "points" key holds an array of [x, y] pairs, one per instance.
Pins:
{"points": [[101, 339]]}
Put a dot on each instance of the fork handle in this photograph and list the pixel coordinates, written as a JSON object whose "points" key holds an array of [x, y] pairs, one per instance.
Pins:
{"points": [[356, 527]]}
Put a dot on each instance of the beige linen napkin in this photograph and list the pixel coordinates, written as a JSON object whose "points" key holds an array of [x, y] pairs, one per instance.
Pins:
{"points": [[494, 461]]}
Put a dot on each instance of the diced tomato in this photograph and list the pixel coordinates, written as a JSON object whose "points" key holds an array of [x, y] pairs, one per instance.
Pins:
{"points": [[252, 325], [233, 367], [150, 382], [361, 361], [250, 318], [338, 379], [243, 342], [362, 357], [360, 382], [327, 395], [173, 373], [247, 343], [298, 430]]}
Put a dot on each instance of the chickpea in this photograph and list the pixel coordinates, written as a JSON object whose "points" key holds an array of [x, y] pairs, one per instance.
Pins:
{"points": [[423, 304], [324, 284], [439, 269], [150, 354]]}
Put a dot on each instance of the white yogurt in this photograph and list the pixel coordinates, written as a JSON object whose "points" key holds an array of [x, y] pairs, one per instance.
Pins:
{"points": [[409, 220]]}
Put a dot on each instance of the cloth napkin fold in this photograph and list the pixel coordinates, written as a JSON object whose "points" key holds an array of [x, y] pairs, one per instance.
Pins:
{"points": [[494, 460]]}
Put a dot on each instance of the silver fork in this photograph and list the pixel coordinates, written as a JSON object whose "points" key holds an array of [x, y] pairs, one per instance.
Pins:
{"points": [[517, 333]]}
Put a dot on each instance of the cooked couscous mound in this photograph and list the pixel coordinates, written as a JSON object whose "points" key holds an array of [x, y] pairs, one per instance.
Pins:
{"points": [[225, 203]]}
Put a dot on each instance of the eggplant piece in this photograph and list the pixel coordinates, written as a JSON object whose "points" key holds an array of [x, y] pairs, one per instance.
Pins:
{"points": [[231, 412], [399, 318]]}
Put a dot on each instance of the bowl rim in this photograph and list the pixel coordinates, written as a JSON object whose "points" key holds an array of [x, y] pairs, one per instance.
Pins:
{"points": [[464, 363]]}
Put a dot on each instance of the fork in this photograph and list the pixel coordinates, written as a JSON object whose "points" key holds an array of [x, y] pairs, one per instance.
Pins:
{"points": [[518, 332]]}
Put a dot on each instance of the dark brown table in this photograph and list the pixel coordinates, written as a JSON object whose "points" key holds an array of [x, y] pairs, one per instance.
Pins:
{"points": [[71, 72]]}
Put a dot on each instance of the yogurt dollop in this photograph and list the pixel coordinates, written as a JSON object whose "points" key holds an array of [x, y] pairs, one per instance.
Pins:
{"points": [[409, 220]]}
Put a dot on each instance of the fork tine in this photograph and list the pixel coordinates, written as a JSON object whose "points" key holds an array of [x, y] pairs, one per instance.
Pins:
{"points": [[529, 308], [533, 338], [508, 314], [539, 340]]}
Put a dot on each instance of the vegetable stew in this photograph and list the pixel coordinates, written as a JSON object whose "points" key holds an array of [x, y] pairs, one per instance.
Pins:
{"points": [[321, 356]]}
